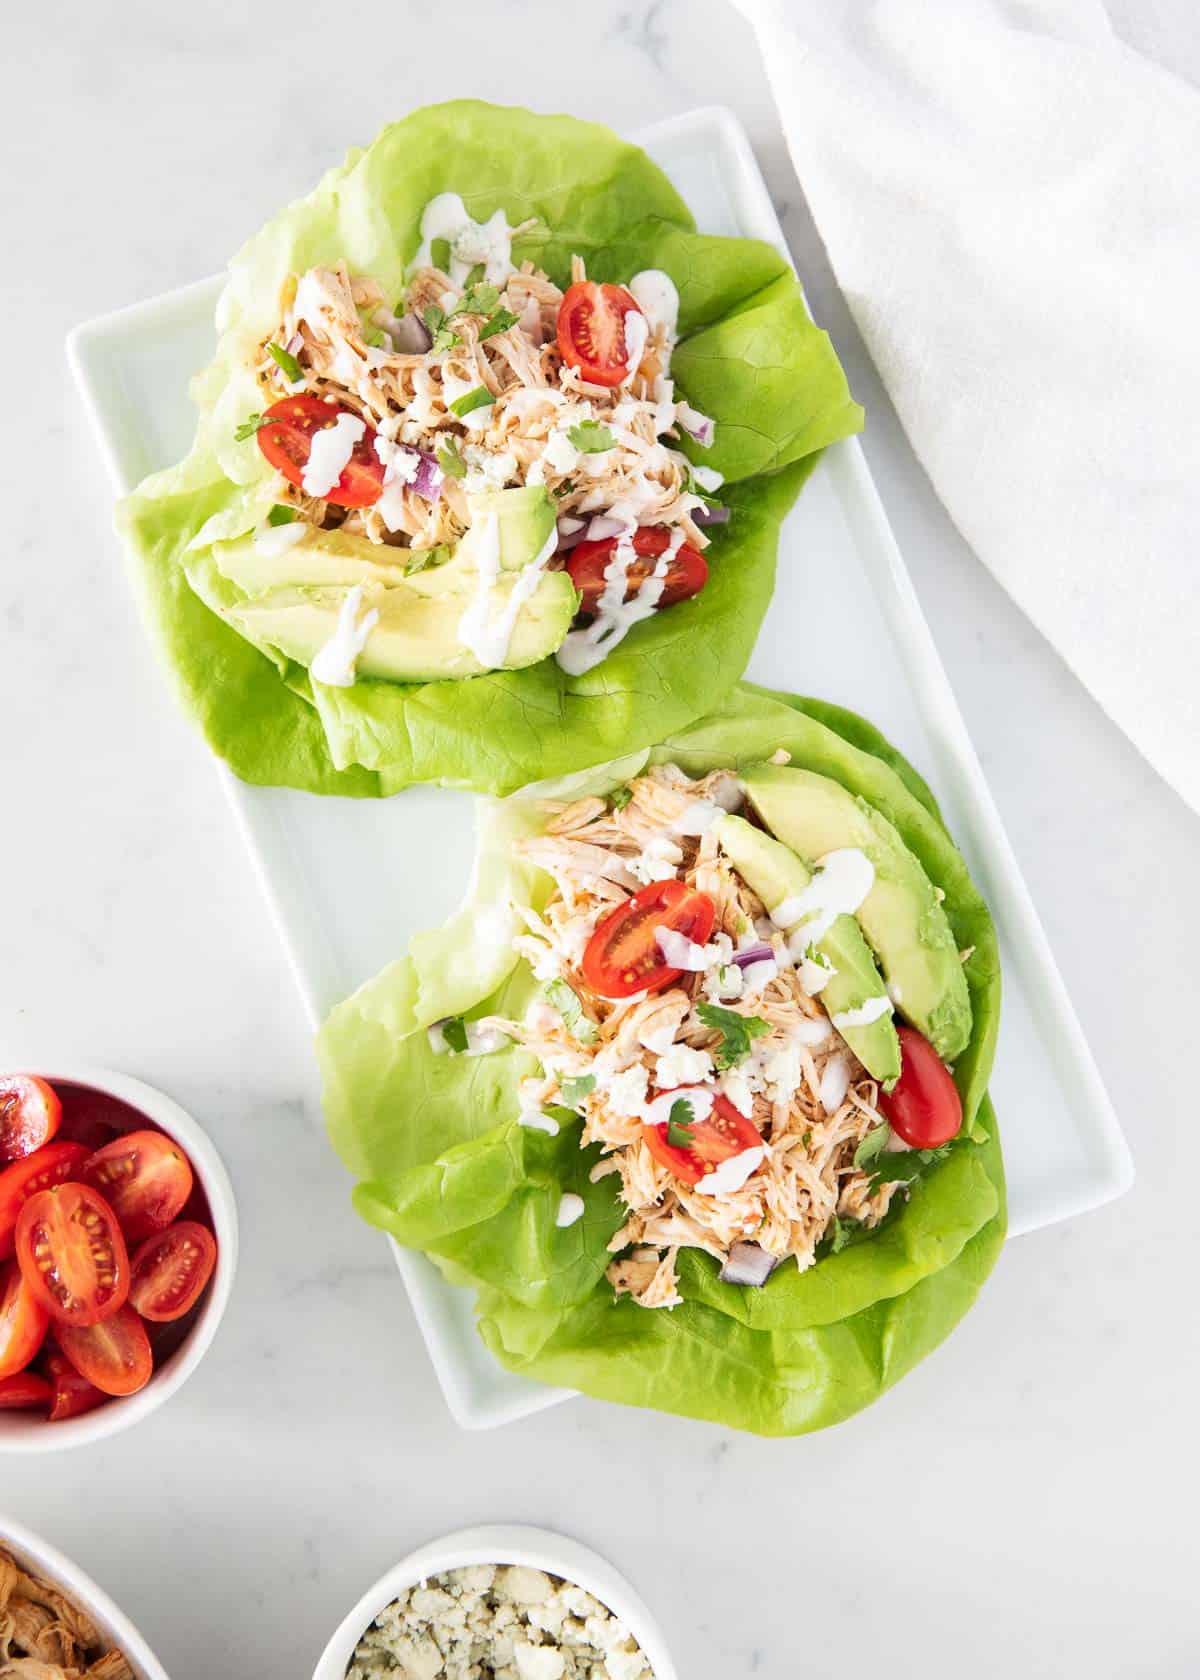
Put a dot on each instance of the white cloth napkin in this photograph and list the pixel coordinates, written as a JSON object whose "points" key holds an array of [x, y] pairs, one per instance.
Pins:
{"points": [[1010, 199]]}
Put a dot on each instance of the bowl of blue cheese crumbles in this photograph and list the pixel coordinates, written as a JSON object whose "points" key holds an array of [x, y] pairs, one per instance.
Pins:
{"points": [[503, 1603]]}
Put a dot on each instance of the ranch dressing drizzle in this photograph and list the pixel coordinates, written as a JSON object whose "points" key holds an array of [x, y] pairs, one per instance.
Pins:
{"points": [[275, 540], [329, 454], [656, 296], [490, 243], [488, 638], [841, 881], [584, 649], [334, 664]]}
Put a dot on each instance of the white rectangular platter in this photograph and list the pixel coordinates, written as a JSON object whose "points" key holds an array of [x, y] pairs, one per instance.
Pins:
{"points": [[349, 880]]}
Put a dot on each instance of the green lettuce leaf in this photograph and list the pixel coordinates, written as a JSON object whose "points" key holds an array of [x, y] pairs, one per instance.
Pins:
{"points": [[444, 1167], [750, 358]]}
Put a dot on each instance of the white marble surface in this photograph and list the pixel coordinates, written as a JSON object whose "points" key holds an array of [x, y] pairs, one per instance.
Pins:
{"points": [[1033, 1472]]}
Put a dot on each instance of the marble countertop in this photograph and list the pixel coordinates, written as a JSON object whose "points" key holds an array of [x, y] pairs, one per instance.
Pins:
{"points": [[1031, 1469]]}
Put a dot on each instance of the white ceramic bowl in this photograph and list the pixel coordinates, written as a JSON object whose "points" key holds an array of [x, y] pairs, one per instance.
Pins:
{"points": [[30, 1432], [39, 1558], [539, 1548]]}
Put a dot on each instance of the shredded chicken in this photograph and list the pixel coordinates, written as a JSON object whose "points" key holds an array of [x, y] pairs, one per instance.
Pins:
{"points": [[807, 1096], [44, 1635]]}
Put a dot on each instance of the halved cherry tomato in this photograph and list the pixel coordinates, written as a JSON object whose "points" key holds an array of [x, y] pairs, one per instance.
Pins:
{"points": [[115, 1356], [923, 1107], [30, 1113], [54, 1163], [591, 331], [687, 572], [145, 1177], [23, 1392], [72, 1254], [72, 1394], [722, 1134], [170, 1270], [622, 956], [23, 1321], [287, 439]]}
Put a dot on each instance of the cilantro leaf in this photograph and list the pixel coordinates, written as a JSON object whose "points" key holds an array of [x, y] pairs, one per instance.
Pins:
{"points": [[680, 1124], [839, 1233], [286, 362], [454, 1034], [479, 397], [477, 300], [574, 1090], [251, 424], [591, 438], [872, 1145], [444, 337], [738, 1032], [569, 1007], [281, 514], [497, 323], [450, 460], [620, 797]]}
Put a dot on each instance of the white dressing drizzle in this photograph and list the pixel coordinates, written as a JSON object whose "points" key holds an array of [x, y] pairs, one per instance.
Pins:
{"points": [[334, 664], [537, 1120], [730, 1176], [274, 540], [841, 881], [867, 1012], [636, 335], [570, 1208], [487, 637], [656, 296], [471, 242], [400, 467], [329, 454], [582, 650]]}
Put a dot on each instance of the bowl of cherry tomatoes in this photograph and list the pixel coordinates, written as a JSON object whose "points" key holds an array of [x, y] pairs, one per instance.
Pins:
{"points": [[118, 1242]]}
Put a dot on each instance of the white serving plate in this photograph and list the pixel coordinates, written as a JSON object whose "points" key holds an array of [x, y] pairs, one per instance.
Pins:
{"points": [[338, 873]]}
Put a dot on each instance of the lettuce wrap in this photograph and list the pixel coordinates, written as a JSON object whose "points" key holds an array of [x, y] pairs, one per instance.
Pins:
{"points": [[444, 1166], [748, 356]]}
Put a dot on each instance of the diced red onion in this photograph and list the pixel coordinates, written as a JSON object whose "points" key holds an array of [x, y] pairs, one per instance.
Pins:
{"points": [[604, 526], [409, 335], [709, 513], [748, 1265], [695, 424], [756, 953], [570, 532], [295, 344], [430, 477]]}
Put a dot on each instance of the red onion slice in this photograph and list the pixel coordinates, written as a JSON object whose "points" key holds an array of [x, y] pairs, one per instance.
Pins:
{"points": [[430, 477], [748, 1265], [570, 532], [756, 953], [295, 344], [695, 424], [710, 514], [604, 526], [409, 335]]}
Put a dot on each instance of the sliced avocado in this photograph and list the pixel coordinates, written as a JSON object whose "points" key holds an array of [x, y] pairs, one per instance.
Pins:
{"points": [[901, 916], [319, 557], [775, 873], [526, 517], [416, 638]]}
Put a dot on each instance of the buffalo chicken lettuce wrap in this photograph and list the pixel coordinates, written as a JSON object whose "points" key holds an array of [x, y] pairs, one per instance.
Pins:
{"points": [[692, 1091]]}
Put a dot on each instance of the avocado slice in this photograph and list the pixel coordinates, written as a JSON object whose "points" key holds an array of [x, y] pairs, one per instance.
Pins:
{"points": [[901, 915], [775, 873], [319, 557], [416, 638], [527, 518]]}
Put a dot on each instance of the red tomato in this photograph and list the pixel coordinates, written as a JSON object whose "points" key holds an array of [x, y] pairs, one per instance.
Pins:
{"points": [[114, 1356], [286, 443], [54, 1163], [29, 1115], [591, 331], [687, 572], [72, 1394], [145, 1177], [72, 1254], [722, 1134], [923, 1107], [23, 1321], [170, 1271], [622, 956], [24, 1392]]}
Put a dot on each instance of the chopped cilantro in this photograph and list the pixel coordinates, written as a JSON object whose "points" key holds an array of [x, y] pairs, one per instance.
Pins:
{"points": [[497, 323], [450, 460], [872, 1145], [454, 1034], [286, 362], [591, 438], [839, 1233], [620, 797], [480, 397], [574, 1090], [680, 1124], [738, 1032], [281, 514], [477, 300], [444, 338], [250, 425], [569, 1007]]}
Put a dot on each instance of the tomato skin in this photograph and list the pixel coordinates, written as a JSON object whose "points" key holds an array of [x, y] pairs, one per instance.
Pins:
{"points": [[622, 957], [30, 1114], [114, 1356], [72, 1395], [23, 1321], [724, 1132], [170, 1271], [24, 1391], [286, 445], [591, 331], [686, 575], [923, 1107], [53, 1163], [146, 1179], [72, 1254]]}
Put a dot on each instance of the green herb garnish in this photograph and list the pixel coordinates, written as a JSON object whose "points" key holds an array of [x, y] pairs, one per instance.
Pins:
{"points": [[282, 514], [620, 797], [252, 424], [497, 323], [450, 460], [477, 300], [738, 1032], [569, 1007], [872, 1145], [444, 338], [839, 1233], [680, 1124], [454, 1034], [286, 362], [574, 1090], [480, 397], [591, 438]]}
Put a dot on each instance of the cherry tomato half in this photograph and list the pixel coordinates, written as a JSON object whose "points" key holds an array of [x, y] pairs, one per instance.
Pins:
{"points": [[114, 1357], [287, 440], [591, 331], [923, 1107], [23, 1321], [723, 1133], [71, 1394], [687, 572], [145, 1177], [30, 1113], [622, 956], [25, 1391], [72, 1254], [54, 1163], [170, 1271]]}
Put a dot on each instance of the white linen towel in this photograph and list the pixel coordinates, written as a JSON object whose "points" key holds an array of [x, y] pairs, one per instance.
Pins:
{"points": [[1010, 200]]}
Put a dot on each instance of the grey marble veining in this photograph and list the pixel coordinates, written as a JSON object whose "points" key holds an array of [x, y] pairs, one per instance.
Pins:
{"points": [[1016, 1506]]}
